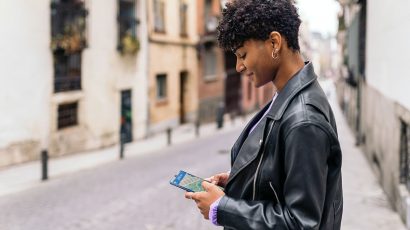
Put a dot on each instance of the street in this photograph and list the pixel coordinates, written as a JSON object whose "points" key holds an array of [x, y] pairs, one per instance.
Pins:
{"points": [[135, 193], [130, 194]]}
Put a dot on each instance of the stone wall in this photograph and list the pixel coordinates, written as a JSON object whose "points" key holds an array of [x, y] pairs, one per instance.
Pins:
{"points": [[378, 134]]}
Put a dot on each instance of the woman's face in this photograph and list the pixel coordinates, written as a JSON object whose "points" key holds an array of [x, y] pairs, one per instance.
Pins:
{"points": [[254, 60]]}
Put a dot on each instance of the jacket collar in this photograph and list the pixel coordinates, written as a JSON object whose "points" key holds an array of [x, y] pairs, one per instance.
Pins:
{"points": [[299, 81], [247, 147]]}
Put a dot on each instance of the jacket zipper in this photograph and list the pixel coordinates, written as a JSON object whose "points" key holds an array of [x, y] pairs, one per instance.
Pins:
{"points": [[260, 161], [273, 189]]}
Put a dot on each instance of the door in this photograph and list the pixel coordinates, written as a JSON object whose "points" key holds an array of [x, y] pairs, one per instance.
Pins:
{"points": [[233, 88], [183, 76]]}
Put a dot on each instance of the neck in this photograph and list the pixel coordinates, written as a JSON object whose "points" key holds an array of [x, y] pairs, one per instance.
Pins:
{"points": [[294, 62]]}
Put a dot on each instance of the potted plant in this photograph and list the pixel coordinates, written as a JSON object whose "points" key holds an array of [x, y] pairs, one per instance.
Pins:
{"points": [[129, 44]]}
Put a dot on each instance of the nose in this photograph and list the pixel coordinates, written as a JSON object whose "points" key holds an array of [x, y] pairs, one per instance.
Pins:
{"points": [[240, 67]]}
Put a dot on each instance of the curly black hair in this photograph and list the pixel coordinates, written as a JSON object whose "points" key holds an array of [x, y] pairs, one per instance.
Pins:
{"points": [[256, 19]]}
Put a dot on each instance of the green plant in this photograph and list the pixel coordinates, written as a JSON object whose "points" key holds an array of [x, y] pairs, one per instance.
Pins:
{"points": [[129, 44]]}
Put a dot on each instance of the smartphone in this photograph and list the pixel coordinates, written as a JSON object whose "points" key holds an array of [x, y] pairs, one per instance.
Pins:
{"points": [[187, 182]]}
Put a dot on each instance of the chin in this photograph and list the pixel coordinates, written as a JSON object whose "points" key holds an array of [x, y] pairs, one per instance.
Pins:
{"points": [[259, 84]]}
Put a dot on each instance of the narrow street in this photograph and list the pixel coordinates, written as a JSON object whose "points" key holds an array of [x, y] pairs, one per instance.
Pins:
{"points": [[130, 194], [135, 194]]}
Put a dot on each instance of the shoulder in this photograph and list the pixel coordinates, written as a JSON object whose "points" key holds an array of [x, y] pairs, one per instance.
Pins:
{"points": [[309, 108]]}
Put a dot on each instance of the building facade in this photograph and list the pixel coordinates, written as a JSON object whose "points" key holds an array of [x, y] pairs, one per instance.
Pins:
{"points": [[211, 68], [374, 91], [74, 79], [173, 66]]}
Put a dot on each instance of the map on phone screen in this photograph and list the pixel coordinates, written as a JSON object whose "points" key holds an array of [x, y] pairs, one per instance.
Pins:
{"points": [[188, 182]]}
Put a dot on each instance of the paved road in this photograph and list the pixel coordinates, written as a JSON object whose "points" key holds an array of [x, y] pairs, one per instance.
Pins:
{"points": [[134, 194], [130, 194]]}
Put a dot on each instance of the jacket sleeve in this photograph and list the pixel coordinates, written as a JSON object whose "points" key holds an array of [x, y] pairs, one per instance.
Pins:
{"points": [[306, 147]]}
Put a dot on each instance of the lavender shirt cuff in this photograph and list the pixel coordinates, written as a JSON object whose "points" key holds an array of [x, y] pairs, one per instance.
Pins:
{"points": [[213, 212]]}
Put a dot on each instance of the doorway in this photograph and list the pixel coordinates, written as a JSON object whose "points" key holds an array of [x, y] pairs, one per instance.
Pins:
{"points": [[183, 78]]}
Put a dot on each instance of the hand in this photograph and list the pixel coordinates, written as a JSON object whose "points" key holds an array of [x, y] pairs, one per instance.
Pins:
{"points": [[205, 199], [219, 179]]}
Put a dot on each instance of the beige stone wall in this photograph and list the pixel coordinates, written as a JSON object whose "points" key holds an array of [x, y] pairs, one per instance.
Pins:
{"points": [[171, 60], [379, 136], [380, 126], [170, 54]]}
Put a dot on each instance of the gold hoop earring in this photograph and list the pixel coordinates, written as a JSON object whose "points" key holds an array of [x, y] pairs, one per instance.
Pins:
{"points": [[275, 54]]}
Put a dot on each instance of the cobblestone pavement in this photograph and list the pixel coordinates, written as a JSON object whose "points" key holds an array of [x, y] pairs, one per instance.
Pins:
{"points": [[135, 193], [131, 194]]}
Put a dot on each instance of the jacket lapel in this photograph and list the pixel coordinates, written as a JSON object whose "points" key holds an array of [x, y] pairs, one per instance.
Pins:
{"points": [[297, 83], [249, 149], [244, 135], [246, 148]]}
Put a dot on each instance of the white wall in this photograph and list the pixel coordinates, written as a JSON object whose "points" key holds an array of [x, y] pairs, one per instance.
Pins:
{"points": [[140, 83], [28, 105], [388, 49], [25, 71], [107, 72]]}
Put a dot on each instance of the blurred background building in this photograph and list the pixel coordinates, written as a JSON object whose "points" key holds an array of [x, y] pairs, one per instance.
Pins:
{"points": [[373, 89], [76, 76], [173, 65], [80, 75], [211, 69]]}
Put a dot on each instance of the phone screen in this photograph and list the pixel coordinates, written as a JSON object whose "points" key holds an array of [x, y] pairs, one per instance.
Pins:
{"points": [[188, 182]]}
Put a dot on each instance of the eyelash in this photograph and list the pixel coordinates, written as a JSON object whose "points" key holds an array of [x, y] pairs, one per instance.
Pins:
{"points": [[243, 56]]}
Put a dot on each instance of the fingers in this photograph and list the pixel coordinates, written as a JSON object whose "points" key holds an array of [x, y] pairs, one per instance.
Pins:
{"points": [[208, 186], [189, 195], [196, 196], [212, 179], [205, 213]]}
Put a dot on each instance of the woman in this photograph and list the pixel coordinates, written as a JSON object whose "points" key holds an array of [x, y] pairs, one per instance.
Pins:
{"points": [[286, 164]]}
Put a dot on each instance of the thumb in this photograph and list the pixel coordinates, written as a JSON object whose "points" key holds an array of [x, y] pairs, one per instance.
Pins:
{"points": [[207, 186]]}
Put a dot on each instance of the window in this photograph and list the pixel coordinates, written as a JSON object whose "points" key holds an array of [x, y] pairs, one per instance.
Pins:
{"points": [[68, 31], [127, 38], [67, 115], [161, 86], [404, 154], [67, 72], [159, 16], [183, 15], [68, 39], [211, 22], [210, 62]]}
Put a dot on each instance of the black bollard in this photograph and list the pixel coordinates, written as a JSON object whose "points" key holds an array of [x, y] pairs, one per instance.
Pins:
{"points": [[220, 115], [169, 132], [121, 149], [44, 166], [197, 125]]}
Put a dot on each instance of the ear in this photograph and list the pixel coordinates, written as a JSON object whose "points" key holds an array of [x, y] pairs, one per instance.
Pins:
{"points": [[275, 40]]}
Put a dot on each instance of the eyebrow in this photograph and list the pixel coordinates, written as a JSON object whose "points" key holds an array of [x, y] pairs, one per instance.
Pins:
{"points": [[236, 49]]}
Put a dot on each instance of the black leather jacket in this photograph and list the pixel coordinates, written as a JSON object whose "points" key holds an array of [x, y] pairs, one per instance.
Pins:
{"points": [[287, 173]]}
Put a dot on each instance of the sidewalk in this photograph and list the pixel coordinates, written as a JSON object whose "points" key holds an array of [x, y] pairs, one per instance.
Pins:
{"points": [[27, 175], [365, 204]]}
